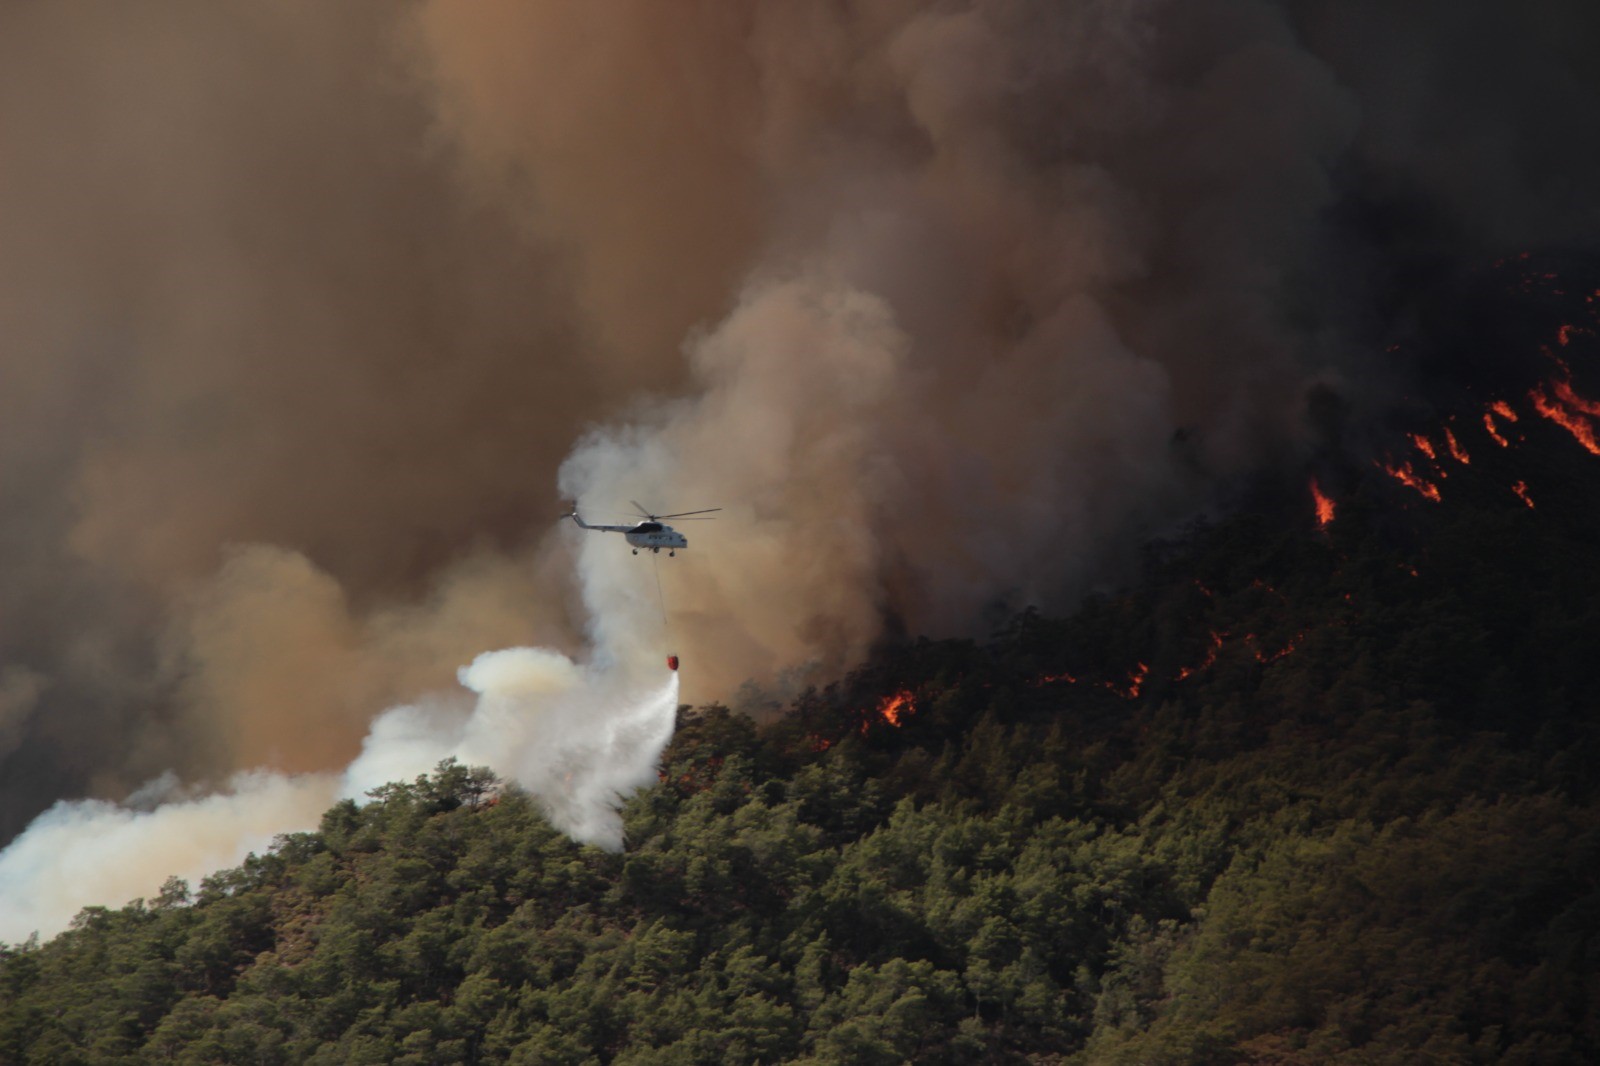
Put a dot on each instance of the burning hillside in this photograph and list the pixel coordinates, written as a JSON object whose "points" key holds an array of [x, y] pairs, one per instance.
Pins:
{"points": [[1534, 383]]}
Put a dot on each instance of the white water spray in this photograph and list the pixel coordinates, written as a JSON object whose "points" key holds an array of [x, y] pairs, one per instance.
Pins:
{"points": [[577, 739]]}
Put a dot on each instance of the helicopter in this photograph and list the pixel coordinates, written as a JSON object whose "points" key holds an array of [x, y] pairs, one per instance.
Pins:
{"points": [[649, 534]]}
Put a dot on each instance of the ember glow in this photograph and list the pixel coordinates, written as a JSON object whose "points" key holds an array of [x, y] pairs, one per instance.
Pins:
{"points": [[1135, 683], [1411, 479], [1521, 489], [1458, 453], [1206, 663], [1324, 505], [1257, 583], [1425, 446], [1272, 657]]}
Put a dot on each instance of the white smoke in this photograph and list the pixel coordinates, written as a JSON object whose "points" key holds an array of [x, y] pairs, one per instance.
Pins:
{"points": [[578, 740], [578, 737], [93, 853]]}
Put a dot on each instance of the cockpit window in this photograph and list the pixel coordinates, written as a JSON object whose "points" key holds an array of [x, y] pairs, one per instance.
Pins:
{"points": [[647, 527]]}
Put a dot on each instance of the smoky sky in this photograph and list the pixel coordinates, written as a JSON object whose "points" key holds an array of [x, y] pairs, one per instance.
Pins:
{"points": [[312, 315]]}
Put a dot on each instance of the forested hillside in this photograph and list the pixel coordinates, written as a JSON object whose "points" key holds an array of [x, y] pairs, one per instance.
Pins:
{"points": [[1303, 793]]}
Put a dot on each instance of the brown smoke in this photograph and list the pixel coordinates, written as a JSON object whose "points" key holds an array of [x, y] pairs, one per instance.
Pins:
{"points": [[304, 305], [1002, 262], [246, 301]]}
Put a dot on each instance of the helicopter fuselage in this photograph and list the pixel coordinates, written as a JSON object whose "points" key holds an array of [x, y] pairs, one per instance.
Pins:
{"points": [[655, 536], [646, 536]]}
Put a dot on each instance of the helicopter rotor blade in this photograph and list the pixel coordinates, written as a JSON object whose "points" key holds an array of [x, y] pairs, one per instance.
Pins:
{"points": [[680, 514], [640, 510]]}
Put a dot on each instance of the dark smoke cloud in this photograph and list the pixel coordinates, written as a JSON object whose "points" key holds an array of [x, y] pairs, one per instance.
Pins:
{"points": [[304, 306], [1472, 117]]}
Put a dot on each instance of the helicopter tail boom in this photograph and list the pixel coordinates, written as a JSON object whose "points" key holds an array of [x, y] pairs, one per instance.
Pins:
{"points": [[576, 517]]}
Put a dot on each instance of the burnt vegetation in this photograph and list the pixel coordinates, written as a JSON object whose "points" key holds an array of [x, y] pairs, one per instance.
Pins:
{"points": [[1316, 788]]}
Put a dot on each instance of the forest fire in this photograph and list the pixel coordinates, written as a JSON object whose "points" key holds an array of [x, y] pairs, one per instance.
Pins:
{"points": [[1324, 505], [1502, 410], [1251, 641], [1564, 393], [1272, 657], [1569, 418], [1555, 400], [1493, 430], [1411, 479], [1205, 664], [894, 709], [1135, 683]]}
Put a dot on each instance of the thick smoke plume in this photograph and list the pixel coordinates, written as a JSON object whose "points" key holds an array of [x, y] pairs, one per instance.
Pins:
{"points": [[947, 304]]}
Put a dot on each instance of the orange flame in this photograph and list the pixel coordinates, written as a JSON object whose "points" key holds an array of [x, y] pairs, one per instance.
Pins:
{"points": [[1409, 477], [1488, 424], [1425, 446], [1324, 505], [1456, 451], [1571, 421], [1521, 489], [1565, 394], [1050, 679], [1503, 409], [897, 707]]}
